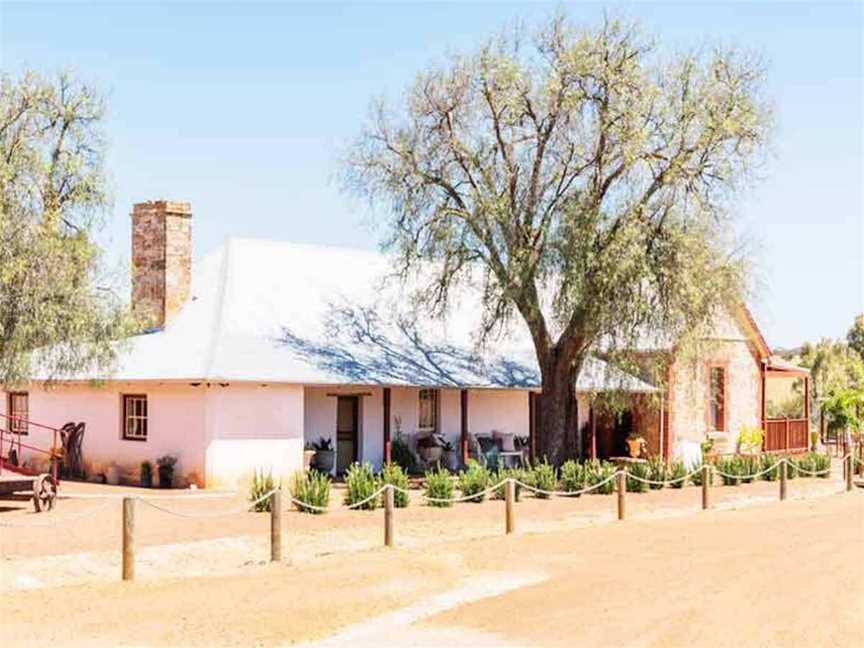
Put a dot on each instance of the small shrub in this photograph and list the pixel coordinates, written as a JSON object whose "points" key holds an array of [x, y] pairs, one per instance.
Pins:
{"points": [[791, 468], [728, 469], [439, 485], [394, 475], [748, 465], [543, 478], [312, 488], [261, 485], [573, 476], [675, 473], [805, 464], [598, 471], [360, 484], [473, 481], [769, 463], [508, 473], [822, 462], [696, 477], [401, 454], [637, 470], [657, 471]]}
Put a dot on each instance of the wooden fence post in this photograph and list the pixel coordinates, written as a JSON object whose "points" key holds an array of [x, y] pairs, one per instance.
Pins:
{"points": [[276, 526], [782, 479], [509, 497], [849, 471], [388, 515], [622, 494], [128, 538], [706, 484]]}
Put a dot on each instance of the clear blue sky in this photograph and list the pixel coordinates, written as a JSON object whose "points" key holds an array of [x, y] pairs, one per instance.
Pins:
{"points": [[242, 109]]}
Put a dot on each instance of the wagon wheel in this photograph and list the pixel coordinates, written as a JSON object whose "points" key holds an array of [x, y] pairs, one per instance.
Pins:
{"points": [[44, 493]]}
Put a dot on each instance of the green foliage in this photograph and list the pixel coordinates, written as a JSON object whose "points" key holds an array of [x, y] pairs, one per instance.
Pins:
{"points": [[543, 477], [855, 336], [439, 485], [395, 476], [696, 477], [791, 467], [637, 470], [473, 481], [748, 465], [401, 454], [574, 476], [675, 474], [360, 484], [59, 308], [750, 439], [312, 488], [657, 471], [821, 462], [261, 485], [729, 469], [765, 462], [597, 471], [509, 473]]}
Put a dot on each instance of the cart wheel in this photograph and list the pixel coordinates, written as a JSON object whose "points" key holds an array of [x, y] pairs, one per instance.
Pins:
{"points": [[44, 493]]}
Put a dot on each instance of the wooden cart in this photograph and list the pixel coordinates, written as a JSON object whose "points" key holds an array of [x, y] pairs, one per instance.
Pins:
{"points": [[17, 480], [42, 488]]}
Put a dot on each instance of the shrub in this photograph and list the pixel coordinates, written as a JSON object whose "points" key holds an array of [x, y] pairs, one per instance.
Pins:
{"points": [[696, 477], [769, 463], [637, 470], [543, 478], [394, 475], [791, 468], [729, 471], [439, 485], [312, 488], [360, 484], [261, 485], [822, 462], [473, 481], [402, 455], [675, 473], [750, 439], [657, 470], [748, 465], [508, 473], [573, 476], [598, 471]]}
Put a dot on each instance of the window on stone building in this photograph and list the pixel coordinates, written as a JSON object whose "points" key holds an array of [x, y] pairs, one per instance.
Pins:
{"points": [[18, 407], [718, 398]]}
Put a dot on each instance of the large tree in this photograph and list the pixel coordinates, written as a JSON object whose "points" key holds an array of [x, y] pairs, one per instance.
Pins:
{"points": [[582, 178], [55, 316]]}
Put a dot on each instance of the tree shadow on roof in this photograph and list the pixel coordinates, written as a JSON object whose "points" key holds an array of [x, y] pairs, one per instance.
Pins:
{"points": [[362, 347]]}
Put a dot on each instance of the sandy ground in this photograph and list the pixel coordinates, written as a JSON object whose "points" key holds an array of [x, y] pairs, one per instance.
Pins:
{"points": [[776, 574]]}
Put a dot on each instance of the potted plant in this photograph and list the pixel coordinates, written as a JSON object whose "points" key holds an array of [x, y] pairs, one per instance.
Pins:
{"points": [[451, 456], [431, 447], [325, 456], [308, 455], [166, 465], [146, 475], [635, 444]]}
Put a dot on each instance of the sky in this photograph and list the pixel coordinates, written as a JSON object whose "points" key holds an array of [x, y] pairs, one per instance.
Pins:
{"points": [[243, 109]]}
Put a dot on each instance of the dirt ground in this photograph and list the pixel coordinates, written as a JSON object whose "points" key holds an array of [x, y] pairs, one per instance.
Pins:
{"points": [[773, 574]]}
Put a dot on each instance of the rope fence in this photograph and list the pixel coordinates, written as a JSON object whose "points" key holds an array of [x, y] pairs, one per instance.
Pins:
{"points": [[387, 492]]}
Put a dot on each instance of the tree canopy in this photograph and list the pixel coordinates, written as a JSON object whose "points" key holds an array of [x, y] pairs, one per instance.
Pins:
{"points": [[52, 194], [582, 180]]}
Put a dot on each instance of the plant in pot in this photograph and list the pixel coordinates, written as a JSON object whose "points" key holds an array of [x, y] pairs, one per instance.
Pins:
{"points": [[635, 444], [308, 455], [146, 475], [431, 447], [325, 456], [166, 465], [451, 456]]}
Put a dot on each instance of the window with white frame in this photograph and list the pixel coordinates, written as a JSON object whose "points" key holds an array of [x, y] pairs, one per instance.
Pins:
{"points": [[428, 415], [18, 412], [135, 417]]}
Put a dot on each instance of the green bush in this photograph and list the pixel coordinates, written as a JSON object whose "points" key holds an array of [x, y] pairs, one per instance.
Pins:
{"points": [[360, 484], [657, 470], [394, 475], [675, 473], [474, 480], [598, 471], [791, 468], [543, 477], [728, 468], [401, 454], [573, 476], [261, 485], [696, 477], [748, 465], [822, 462], [766, 463], [508, 473], [439, 485], [312, 488], [637, 470]]}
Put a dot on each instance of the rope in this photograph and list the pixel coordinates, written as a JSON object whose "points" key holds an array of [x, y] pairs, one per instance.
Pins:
{"points": [[120, 496], [56, 521], [814, 473], [534, 489], [753, 476], [666, 481], [465, 498], [211, 514]]}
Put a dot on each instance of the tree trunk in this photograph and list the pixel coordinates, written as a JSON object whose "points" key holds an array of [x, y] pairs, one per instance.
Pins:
{"points": [[556, 414]]}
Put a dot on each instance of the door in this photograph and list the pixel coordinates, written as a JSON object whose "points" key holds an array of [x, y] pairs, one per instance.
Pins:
{"points": [[346, 431]]}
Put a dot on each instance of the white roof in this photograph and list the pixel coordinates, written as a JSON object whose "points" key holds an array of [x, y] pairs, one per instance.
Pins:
{"points": [[267, 311]]}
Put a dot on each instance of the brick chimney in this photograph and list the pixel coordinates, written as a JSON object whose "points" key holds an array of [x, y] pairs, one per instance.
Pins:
{"points": [[161, 260]]}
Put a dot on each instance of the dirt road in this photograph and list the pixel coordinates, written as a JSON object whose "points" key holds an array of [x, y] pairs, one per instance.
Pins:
{"points": [[785, 574]]}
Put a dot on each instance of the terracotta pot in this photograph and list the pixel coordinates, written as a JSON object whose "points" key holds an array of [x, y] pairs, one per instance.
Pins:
{"points": [[635, 446]]}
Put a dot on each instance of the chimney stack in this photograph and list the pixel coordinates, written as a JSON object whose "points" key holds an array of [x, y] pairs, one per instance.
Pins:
{"points": [[161, 260]]}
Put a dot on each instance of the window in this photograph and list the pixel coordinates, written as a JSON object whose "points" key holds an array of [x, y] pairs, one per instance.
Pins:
{"points": [[717, 404], [428, 420], [18, 412], [135, 417]]}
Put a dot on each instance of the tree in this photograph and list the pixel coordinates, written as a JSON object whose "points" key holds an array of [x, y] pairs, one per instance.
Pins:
{"points": [[581, 180], [54, 318], [855, 336]]}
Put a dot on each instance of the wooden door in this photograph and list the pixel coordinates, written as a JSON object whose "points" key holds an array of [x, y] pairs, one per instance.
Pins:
{"points": [[347, 408]]}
